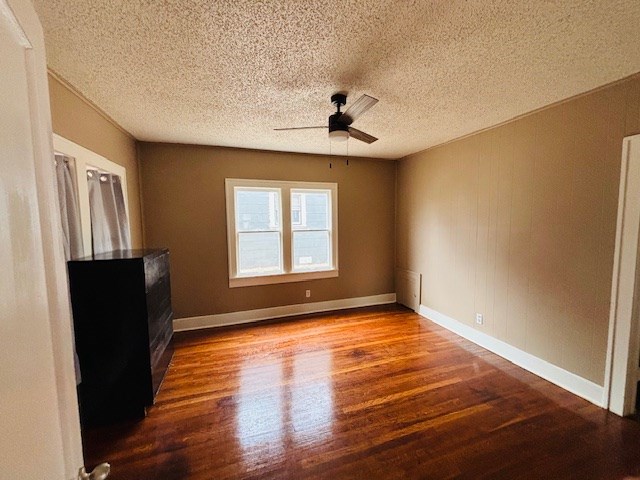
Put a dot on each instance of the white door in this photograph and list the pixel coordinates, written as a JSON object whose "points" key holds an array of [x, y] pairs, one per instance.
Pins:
{"points": [[623, 374], [39, 428]]}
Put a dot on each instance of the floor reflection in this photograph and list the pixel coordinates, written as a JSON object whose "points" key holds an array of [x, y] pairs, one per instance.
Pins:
{"points": [[312, 396], [283, 403], [259, 411]]}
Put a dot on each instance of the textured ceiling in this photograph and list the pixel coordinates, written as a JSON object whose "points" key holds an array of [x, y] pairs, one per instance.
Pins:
{"points": [[227, 72]]}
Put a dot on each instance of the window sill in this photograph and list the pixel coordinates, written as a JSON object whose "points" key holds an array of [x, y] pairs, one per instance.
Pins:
{"points": [[282, 278]]}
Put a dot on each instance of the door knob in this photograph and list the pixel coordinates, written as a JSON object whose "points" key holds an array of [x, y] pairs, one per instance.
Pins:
{"points": [[99, 473]]}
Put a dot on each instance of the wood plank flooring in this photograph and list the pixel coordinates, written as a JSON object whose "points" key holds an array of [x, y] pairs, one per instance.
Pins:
{"points": [[365, 394]]}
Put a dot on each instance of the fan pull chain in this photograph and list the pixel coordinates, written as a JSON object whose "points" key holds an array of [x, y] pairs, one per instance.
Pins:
{"points": [[330, 149], [347, 153]]}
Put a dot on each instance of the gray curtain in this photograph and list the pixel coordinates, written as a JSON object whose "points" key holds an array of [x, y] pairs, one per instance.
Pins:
{"points": [[69, 210], [109, 223], [70, 223]]}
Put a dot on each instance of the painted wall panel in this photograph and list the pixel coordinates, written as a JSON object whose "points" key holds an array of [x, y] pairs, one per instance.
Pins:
{"points": [[184, 204], [518, 223]]}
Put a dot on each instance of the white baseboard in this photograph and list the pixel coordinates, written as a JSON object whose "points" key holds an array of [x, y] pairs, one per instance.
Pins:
{"points": [[569, 381], [248, 316]]}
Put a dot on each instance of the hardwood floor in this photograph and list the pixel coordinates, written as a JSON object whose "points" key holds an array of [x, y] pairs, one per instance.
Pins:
{"points": [[368, 393]]}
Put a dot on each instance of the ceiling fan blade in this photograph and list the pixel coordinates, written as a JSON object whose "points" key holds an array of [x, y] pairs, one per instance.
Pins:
{"points": [[300, 128], [360, 135], [357, 108]]}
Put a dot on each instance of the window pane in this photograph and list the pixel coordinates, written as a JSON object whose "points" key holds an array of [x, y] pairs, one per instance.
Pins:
{"points": [[310, 210], [259, 253], [296, 210], [311, 251], [257, 209]]}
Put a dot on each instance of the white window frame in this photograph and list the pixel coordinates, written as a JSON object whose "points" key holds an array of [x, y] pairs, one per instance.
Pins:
{"points": [[83, 160], [288, 274]]}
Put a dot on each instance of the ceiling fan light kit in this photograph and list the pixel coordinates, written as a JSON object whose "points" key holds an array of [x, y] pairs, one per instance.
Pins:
{"points": [[339, 123], [338, 135]]}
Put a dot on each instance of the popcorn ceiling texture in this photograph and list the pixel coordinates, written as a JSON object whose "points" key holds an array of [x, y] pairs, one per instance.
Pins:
{"points": [[227, 72]]}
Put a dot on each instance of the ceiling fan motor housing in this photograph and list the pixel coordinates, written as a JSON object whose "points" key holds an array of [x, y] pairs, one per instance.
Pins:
{"points": [[338, 132], [334, 124]]}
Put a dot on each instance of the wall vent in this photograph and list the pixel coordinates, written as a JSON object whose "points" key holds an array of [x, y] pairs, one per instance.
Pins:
{"points": [[408, 288]]}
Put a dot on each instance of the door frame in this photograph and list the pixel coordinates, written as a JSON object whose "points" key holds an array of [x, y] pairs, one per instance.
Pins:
{"points": [[24, 18], [623, 350]]}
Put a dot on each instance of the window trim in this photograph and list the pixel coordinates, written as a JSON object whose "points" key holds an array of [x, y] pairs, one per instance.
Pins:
{"points": [[289, 275]]}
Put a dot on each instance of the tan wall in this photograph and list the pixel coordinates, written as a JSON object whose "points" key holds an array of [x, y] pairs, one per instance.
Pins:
{"points": [[76, 120], [184, 205], [519, 223]]}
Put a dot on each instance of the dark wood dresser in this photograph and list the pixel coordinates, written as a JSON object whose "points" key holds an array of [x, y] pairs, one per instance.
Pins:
{"points": [[123, 328]]}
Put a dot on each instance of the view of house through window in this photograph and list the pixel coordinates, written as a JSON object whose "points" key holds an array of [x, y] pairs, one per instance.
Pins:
{"points": [[259, 231], [281, 231], [310, 222]]}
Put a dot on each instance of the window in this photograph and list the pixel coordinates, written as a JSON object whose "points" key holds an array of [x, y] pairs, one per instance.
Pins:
{"points": [[281, 231], [311, 229], [85, 161], [258, 231]]}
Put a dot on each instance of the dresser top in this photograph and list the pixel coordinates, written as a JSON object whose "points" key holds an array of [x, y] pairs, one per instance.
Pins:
{"points": [[124, 254]]}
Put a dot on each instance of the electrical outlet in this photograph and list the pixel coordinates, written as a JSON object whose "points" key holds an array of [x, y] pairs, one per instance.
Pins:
{"points": [[479, 319], [307, 294]]}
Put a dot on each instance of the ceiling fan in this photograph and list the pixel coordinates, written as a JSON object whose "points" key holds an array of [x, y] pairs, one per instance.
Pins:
{"points": [[339, 126]]}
